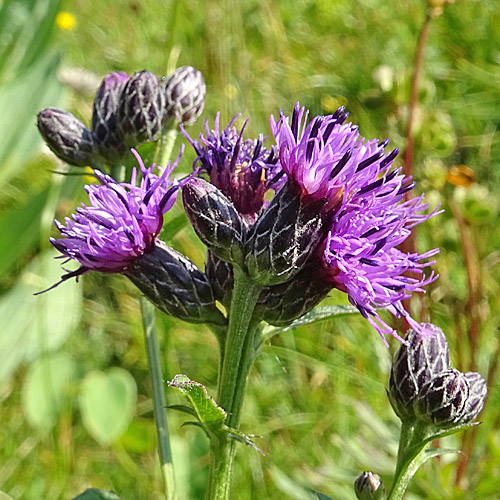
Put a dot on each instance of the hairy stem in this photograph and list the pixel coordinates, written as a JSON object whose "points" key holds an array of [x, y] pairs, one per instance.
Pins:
{"points": [[236, 364], [410, 457]]}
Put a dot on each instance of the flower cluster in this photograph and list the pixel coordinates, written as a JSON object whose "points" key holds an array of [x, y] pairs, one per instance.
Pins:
{"points": [[424, 387], [337, 219], [364, 203], [339, 211], [127, 111]]}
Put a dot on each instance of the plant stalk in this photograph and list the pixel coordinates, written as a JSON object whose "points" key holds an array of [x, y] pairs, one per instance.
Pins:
{"points": [[412, 444], [167, 143], [155, 371], [236, 364]]}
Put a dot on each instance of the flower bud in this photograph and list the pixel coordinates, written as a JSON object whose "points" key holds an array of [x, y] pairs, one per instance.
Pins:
{"points": [[215, 219], [443, 400], [279, 305], [67, 136], [283, 237], [184, 91], [104, 118], [220, 276], [175, 285], [477, 396], [416, 364], [141, 108], [369, 486]]}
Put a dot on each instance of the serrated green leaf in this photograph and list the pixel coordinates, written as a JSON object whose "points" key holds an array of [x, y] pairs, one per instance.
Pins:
{"points": [[210, 415], [317, 314], [107, 403], [207, 411], [45, 389], [96, 494]]}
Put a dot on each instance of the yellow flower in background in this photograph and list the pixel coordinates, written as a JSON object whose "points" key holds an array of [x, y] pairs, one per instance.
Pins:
{"points": [[330, 104], [65, 21]]}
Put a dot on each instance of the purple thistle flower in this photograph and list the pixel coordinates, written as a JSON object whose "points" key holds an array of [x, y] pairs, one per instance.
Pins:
{"points": [[122, 221], [244, 170], [364, 204]]}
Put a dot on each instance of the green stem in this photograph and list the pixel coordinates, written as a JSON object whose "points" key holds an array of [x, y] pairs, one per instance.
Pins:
{"points": [[167, 145], [412, 445], [118, 172], [153, 350], [244, 298], [236, 363], [248, 356]]}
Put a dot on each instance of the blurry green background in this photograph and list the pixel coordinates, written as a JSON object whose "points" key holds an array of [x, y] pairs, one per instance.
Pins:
{"points": [[75, 408]]}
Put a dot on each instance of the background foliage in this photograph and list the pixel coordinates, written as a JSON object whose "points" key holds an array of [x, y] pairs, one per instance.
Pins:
{"points": [[74, 389]]}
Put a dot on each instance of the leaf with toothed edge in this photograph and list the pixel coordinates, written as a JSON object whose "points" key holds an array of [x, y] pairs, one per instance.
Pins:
{"points": [[210, 415]]}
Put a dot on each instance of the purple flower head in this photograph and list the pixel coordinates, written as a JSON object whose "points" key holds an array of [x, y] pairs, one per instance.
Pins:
{"points": [[122, 221], [364, 204], [327, 158], [244, 170]]}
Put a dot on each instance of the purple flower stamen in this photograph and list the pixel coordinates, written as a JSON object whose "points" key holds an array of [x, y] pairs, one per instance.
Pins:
{"points": [[122, 221], [363, 200], [243, 169]]}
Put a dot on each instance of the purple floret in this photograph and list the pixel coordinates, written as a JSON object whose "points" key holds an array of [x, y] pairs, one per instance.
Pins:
{"points": [[244, 170], [364, 204], [122, 221]]}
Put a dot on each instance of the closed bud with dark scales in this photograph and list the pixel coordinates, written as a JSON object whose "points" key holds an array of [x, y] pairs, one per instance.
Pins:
{"points": [[477, 396], [215, 220], [284, 237], [141, 109], [220, 275], [416, 363], [443, 400], [281, 304], [104, 126], [184, 92], [67, 137], [369, 486], [175, 285]]}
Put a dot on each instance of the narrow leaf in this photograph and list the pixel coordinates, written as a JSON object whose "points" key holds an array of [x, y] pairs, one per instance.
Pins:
{"points": [[317, 314], [242, 438], [322, 496], [183, 408]]}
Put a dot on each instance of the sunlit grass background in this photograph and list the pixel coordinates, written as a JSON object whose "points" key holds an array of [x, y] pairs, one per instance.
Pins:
{"points": [[316, 397]]}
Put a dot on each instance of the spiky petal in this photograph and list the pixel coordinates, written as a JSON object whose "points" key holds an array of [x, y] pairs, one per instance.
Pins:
{"points": [[362, 199], [121, 222]]}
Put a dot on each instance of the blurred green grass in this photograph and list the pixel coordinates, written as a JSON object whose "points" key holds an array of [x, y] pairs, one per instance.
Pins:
{"points": [[316, 395]]}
